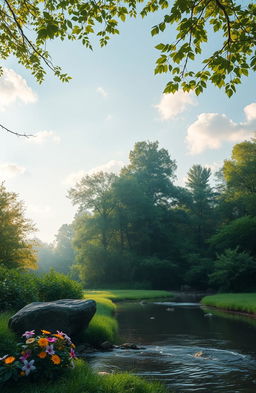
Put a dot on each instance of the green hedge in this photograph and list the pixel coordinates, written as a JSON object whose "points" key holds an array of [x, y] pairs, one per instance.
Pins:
{"points": [[19, 288]]}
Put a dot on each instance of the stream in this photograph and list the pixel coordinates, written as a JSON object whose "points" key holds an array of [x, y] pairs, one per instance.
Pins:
{"points": [[187, 347]]}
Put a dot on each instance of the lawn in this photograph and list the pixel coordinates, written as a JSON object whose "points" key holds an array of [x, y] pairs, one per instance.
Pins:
{"points": [[242, 302]]}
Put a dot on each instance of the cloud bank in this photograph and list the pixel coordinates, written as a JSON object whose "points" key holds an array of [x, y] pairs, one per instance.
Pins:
{"points": [[10, 170], [14, 88], [211, 130]]}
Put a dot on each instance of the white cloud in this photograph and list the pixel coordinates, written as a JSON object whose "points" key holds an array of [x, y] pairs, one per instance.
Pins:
{"points": [[112, 166], [13, 88], [9, 170], [172, 105], [250, 112], [215, 166], [102, 91], [42, 137], [211, 130]]}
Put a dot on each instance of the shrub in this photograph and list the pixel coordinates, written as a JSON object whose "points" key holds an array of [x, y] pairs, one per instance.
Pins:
{"points": [[234, 271], [17, 289], [54, 286]]}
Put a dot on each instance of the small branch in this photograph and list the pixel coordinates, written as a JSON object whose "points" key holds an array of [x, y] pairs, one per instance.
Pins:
{"points": [[223, 8], [15, 133], [25, 38]]}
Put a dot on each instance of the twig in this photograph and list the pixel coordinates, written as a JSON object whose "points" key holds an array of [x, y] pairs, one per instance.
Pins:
{"points": [[15, 133]]}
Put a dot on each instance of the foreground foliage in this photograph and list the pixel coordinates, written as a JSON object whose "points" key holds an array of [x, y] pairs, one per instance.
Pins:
{"points": [[244, 302], [38, 356], [82, 380], [194, 24]]}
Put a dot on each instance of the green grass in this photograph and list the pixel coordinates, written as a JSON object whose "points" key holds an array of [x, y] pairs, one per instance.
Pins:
{"points": [[8, 339], [82, 380], [103, 326], [242, 302], [127, 294]]}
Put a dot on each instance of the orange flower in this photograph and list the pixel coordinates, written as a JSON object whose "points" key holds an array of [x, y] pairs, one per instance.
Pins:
{"points": [[42, 342], [9, 360], [42, 355], [30, 340], [55, 359], [59, 336], [45, 331]]}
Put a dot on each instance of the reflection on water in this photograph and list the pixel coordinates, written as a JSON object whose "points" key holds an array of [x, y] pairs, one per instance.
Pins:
{"points": [[185, 349]]}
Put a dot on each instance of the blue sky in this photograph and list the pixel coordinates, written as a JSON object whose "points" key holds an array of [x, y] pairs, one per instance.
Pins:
{"points": [[92, 122]]}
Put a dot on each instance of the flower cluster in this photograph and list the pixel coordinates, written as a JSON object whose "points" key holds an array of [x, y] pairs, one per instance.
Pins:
{"points": [[39, 355]]}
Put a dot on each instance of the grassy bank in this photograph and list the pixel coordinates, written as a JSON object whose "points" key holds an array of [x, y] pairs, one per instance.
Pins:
{"points": [[103, 326], [82, 380], [127, 294], [242, 302]]}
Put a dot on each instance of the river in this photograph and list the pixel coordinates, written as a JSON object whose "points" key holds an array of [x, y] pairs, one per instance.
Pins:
{"points": [[184, 347]]}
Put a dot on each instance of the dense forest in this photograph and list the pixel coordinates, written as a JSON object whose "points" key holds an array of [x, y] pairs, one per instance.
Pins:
{"points": [[140, 230]]}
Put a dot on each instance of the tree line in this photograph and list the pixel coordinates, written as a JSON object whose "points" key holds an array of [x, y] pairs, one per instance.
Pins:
{"points": [[140, 230]]}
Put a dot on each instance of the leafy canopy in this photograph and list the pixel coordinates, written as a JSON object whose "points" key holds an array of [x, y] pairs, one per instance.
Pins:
{"points": [[16, 250], [230, 24]]}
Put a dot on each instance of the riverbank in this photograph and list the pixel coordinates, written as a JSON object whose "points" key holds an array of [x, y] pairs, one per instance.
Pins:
{"points": [[103, 326], [243, 303], [82, 379], [117, 295]]}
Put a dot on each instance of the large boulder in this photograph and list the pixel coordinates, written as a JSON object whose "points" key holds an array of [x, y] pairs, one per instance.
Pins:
{"points": [[69, 315]]}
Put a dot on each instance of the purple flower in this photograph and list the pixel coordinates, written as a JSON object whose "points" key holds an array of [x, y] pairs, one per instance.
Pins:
{"points": [[29, 334], [50, 350], [28, 366], [25, 356], [52, 339]]}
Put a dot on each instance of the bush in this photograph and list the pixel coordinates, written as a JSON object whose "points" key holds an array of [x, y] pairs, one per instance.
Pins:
{"points": [[17, 289], [234, 271], [54, 286]]}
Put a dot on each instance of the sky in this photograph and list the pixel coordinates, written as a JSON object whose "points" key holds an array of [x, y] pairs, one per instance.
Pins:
{"points": [[92, 123]]}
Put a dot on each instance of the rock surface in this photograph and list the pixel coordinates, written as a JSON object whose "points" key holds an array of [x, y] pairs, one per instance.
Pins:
{"points": [[69, 315]]}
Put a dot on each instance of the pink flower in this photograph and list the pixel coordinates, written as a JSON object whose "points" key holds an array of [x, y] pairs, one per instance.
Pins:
{"points": [[52, 339], [72, 353], [29, 333]]}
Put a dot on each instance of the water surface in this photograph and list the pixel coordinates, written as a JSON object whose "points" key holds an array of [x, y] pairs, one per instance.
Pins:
{"points": [[185, 348]]}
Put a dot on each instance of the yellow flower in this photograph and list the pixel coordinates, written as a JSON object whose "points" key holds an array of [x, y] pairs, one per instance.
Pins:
{"points": [[42, 355], [55, 359], [42, 342], [59, 336], [30, 340], [9, 360], [73, 345], [22, 373], [45, 331]]}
